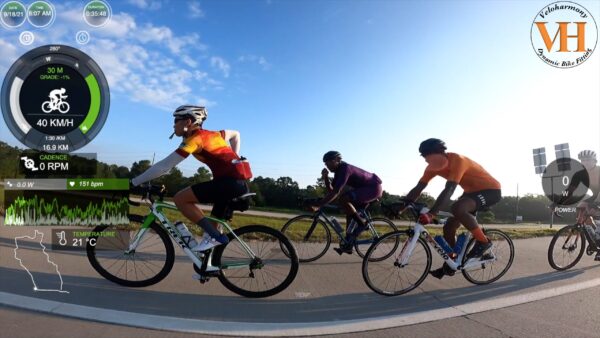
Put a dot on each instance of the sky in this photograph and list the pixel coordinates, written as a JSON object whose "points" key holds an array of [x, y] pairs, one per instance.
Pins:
{"points": [[371, 79]]}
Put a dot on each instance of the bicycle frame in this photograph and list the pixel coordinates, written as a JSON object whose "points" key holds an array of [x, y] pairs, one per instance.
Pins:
{"points": [[156, 209], [322, 216], [585, 220], [419, 231]]}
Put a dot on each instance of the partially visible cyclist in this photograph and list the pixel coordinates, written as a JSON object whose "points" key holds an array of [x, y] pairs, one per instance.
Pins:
{"points": [[366, 187], [229, 172], [588, 177], [481, 190]]}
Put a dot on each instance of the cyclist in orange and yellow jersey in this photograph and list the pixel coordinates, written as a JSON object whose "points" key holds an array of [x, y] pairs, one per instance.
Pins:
{"points": [[219, 151], [481, 190]]}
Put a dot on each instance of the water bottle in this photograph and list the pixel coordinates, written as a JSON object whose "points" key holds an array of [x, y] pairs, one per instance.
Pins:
{"points": [[460, 241], [442, 242], [336, 224], [186, 235]]}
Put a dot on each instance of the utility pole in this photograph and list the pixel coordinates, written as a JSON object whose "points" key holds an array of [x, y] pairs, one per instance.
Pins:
{"points": [[517, 204]]}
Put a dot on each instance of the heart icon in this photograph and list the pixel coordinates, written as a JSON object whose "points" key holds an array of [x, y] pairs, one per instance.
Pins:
{"points": [[72, 183]]}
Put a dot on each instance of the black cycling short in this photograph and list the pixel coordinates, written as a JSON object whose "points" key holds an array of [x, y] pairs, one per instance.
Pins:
{"points": [[484, 198], [219, 192]]}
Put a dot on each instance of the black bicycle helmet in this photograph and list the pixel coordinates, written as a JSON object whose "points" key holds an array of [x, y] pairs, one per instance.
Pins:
{"points": [[330, 155], [432, 146]]}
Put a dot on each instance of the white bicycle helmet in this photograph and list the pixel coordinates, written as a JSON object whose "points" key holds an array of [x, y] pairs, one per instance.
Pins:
{"points": [[197, 113], [587, 155]]}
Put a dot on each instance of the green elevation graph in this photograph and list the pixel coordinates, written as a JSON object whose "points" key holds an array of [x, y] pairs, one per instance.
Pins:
{"points": [[37, 211]]}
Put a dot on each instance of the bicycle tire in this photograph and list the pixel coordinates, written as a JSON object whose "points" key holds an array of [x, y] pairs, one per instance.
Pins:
{"points": [[169, 260], [313, 248], [361, 249], [258, 238], [568, 230], [370, 267], [490, 233]]}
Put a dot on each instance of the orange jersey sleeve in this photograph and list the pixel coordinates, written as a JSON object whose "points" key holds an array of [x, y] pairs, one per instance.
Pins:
{"points": [[190, 145]]}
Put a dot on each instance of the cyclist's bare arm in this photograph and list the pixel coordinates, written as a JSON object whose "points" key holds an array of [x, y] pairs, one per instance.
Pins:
{"points": [[330, 197], [160, 168], [234, 139], [416, 191], [327, 183], [444, 197]]}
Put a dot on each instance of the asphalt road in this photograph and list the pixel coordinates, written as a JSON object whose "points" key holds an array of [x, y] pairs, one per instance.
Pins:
{"points": [[330, 291]]}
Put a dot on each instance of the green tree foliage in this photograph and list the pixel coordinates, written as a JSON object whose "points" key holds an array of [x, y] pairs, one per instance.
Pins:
{"points": [[139, 167], [9, 161], [201, 175]]}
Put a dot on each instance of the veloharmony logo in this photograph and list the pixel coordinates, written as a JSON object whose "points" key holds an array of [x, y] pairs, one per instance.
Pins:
{"points": [[564, 34]]}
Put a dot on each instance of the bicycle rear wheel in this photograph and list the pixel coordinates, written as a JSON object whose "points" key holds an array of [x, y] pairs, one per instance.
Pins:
{"points": [[503, 253], [270, 272], [381, 226], [150, 263], [309, 246], [386, 276], [566, 248]]}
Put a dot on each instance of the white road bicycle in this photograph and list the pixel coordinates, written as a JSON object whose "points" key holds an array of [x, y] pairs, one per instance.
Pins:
{"points": [[406, 265]]}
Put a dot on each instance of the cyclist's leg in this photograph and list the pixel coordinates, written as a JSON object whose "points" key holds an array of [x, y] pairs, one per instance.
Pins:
{"points": [[187, 199], [361, 197], [464, 210], [450, 228], [229, 189]]}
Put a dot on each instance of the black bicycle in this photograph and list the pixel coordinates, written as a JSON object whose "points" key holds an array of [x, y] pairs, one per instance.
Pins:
{"points": [[311, 235], [569, 243]]}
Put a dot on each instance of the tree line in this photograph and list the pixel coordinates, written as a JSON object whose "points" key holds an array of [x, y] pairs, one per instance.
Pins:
{"points": [[285, 193]]}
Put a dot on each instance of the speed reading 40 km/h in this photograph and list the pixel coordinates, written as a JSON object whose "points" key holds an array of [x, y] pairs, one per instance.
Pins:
{"points": [[55, 98]]}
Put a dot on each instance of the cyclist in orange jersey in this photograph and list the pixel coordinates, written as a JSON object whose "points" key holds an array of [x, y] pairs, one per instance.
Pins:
{"points": [[481, 190]]}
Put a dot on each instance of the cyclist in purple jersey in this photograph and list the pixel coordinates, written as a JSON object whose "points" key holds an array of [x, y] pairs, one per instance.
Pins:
{"points": [[366, 187]]}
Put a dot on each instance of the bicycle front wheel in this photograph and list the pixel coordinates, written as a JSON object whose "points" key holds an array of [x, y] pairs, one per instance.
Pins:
{"points": [[273, 268], [566, 248], [309, 235], [150, 263], [381, 226], [501, 255], [388, 276]]}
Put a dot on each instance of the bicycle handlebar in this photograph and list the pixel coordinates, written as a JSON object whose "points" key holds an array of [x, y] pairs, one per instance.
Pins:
{"points": [[148, 192]]}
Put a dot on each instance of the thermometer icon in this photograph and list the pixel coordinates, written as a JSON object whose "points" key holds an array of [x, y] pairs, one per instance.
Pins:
{"points": [[62, 238]]}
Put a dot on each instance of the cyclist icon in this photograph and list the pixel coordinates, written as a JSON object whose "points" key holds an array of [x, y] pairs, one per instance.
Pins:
{"points": [[56, 102]]}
